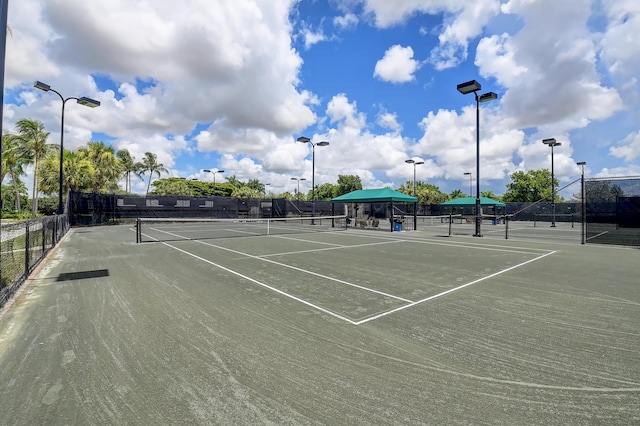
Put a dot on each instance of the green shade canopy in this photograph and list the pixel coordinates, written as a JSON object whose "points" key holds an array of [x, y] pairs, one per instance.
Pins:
{"points": [[471, 201], [380, 195]]}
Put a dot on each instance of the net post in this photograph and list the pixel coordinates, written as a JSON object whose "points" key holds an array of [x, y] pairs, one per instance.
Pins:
{"points": [[450, 222], [506, 227], [138, 231]]}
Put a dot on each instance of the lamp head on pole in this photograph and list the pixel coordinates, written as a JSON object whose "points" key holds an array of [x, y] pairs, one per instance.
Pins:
{"points": [[469, 87], [303, 139], [91, 103], [551, 142], [42, 86], [323, 143], [411, 161], [486, 97]]}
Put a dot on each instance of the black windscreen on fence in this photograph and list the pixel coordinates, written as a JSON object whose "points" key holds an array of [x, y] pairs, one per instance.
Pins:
{"points": [[97, 209], [613, 211], [628, 212]]}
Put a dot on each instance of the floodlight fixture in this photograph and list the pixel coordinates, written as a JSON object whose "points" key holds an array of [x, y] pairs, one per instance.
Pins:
{"points": [[469, 87], [486, 97], [88, 102], [91, 103]]}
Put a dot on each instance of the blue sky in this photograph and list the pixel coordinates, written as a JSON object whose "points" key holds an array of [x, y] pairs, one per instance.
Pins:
{"points": [[231, 85]]}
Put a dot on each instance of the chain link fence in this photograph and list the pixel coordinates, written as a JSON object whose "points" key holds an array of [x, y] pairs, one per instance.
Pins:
{"points": [[23, 245]]}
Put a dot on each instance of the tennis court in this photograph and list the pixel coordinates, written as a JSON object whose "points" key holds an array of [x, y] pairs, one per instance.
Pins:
{"points": [[343, 326]]}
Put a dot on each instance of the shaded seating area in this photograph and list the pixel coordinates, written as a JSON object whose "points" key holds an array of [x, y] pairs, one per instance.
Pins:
{"points": [[466, 206], [380, 195]]}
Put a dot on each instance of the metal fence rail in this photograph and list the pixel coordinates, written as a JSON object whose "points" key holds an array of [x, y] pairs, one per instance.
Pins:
{"points": [[23, 245]]}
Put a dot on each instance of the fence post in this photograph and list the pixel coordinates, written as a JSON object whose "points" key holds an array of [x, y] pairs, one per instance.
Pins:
{"points": [[27, 248], [44, 236]]}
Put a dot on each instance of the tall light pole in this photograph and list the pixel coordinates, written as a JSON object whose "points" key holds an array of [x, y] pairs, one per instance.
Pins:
{"points": [[473, 87], [303, 139], [469, 173], [213, 172], [415, 207], [298, 193], [552, 142], [92, 103], [415, 163], [583, 212]]}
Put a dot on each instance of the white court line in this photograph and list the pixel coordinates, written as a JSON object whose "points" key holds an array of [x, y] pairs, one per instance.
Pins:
{"points": [[383, 314], [451, 290], [342, 247], [472, 246], [295, 268], [297, 299]]}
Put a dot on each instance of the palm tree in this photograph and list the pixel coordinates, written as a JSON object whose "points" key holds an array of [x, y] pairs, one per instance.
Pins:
{"points": [[78, 173], [107, 166], [12, 165], [33, 148], [128, 166], [457, 193], [150, 164]]}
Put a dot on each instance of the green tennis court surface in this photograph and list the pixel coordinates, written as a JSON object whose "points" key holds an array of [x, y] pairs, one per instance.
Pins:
{"points": [[349, 327]]}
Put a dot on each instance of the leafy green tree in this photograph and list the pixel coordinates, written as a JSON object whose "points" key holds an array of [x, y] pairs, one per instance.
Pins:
{"points": [[256, 185], [128, 167], [107, 168], [457, 193], [235, 182], [490, 194], [347, 184], [9, 202], [246, 192], [78, 173], [529, 187], [406, 188], [33, 148], [324, 191], [425, 192], [287, 195], [171, 186], [12, 165], [150, 164], [430, 194], [602, 191]]}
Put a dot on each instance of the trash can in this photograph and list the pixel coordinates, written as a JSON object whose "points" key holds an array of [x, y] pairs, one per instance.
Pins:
{"points": [[397, 226]]}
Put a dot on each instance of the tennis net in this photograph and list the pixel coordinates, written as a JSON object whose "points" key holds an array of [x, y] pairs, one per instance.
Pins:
{"points": [[177, 229]]}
